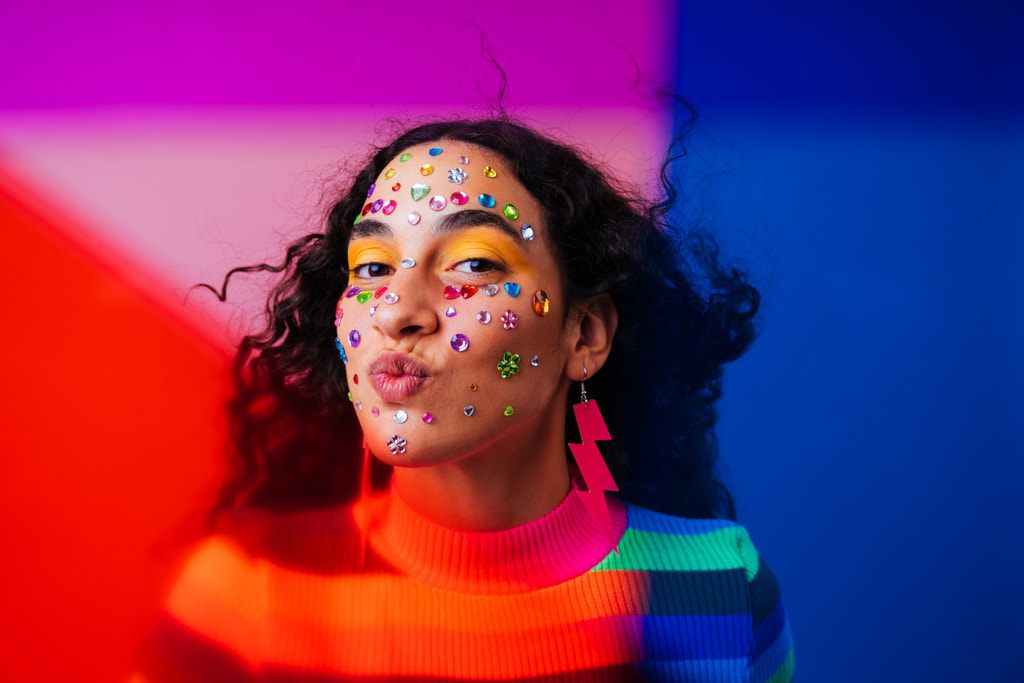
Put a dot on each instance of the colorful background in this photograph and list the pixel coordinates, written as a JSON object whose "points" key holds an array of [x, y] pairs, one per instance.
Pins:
{"points": [[864, 159]]}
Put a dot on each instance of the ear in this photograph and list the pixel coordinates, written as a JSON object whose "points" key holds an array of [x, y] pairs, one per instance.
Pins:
{"points": [[593, 332]]}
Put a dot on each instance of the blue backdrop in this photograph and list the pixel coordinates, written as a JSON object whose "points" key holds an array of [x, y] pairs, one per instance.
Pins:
{"points": [[867, 159]]}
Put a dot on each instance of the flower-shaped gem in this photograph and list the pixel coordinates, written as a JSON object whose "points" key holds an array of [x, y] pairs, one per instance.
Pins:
{"points": [[396, 444], [509, 364], [509, 320], [456, 175]]}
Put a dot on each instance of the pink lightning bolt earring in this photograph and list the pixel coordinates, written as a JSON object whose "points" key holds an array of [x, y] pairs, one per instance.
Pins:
{"points": [[592, 466]]}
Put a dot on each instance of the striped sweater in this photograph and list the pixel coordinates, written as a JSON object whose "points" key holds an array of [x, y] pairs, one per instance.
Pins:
{"points": [[289, 598]]}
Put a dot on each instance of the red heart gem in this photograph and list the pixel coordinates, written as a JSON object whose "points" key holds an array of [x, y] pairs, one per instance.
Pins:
{"points": [[451, 292], [468, 291]]}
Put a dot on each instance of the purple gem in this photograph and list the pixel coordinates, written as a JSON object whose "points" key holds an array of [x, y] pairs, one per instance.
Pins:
{"points": [[373, 187], [351, 292], [460, 342], [376, 206], [353, 339], [450, 312]]}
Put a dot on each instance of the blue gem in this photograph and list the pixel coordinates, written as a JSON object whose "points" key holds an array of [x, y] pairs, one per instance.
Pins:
{"points": [[486, 201], [512, 289], [434, 151], [337, 342]]}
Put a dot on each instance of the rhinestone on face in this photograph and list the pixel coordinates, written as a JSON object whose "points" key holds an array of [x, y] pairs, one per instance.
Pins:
{"points": [[463, 160], [396, 187], [468, 410], [374, 411], [459, 198], [472, 387], [508, 411], [390, 172], [456, 175], [363, 297], [396, 444], [451, 292], [535, 361], [467, 291], [419, 191], [366, 209], [437, 202], [389, 207], [353, 339], [510, 212], [405, 157], [373, 309], [512, 289], [484, 317], [509, 364], [509, 320], [351, 292], [490, 290], [401, 416], [359, 406], [486, 201], [541, 303], [373, 186], [428, 418], [376, 206], [355, 379], [391, 298], [426, 169], [450, 313], [380, 292], [527, 231], [489, 172], [414, 218], [358, 218], [460, 342], [434, 151], [407, 263], [341, 350]]}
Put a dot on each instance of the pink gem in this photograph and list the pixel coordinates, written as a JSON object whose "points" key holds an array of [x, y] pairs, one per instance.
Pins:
{"points": [[414, 218], [428, 418], [463, 160], [437, 202], [450, 292], [389, 207], [509, 320], [459, 198], [374, 411], [380, 292]]}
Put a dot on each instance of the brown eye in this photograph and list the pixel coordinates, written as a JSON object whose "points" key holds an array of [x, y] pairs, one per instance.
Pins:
{"points": [[477, 265], [368, 271]]}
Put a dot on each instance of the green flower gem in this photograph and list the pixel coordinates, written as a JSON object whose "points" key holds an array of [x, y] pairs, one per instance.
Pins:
{"points": [[509, 364]]}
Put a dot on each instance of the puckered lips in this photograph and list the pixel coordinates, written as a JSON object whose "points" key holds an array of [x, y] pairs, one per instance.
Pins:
{"points": [[396, 377]]}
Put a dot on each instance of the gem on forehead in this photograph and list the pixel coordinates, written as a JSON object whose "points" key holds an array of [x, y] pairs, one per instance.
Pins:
{"points": [[463, 160], [527, 231], [390, 172], [373, 186], [419, 191], [363, 297], [391, 298], [510, 212], [434, 151], [405, 157], [396, 187], [407, 263], [541, 303], [535, 361], [353, 339], [401, 416], [459, 198], [414, 218], [437, 202], [460, 342], [489, 172], [428, 418], [456, 175], [351, 292], [426, 169], [486, 201], [451, 292], [389, 207], [450, 313], [490, 290], [376, 206], [468, 410], [484, 317], [366, 209]]}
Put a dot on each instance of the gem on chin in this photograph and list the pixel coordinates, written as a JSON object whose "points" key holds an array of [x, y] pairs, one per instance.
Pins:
{"points": [[484, 317], [428, 418], [486, 201], [535, 361], [490, 290], [390, 298], [419, 191], [451, 292], [541, 303], [374, 411], [353, 339], [401, 416], [396, 444], [489, 172], [407, 263], [510, 212], [437, 202], [512, 289], [426, 169], [460, 342], [527, 231], [468, 410], [450, 313], [414, 218], [459, 198], [434, 151]]}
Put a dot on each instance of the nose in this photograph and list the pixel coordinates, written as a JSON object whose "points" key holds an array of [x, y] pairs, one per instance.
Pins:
{"points": [[412, 316]]}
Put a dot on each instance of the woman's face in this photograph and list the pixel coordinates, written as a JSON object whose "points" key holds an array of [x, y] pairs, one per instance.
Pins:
{"points": [[452, 323]]}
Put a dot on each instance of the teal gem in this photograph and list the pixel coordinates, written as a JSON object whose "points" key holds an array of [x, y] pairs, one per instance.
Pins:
{"points": [[486, 201]]}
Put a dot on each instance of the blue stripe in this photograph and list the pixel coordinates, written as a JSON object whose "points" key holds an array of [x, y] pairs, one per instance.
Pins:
{"points": [[643, 519], [699, 636], [766, 663], [767, 632], [696, 670]]}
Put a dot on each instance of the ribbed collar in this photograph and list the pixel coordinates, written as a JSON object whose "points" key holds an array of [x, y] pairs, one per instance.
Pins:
{"points": [[559, 546]]}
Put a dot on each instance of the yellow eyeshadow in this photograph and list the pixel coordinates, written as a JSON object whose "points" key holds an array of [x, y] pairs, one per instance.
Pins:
{"points": [[487, 244], [369, 252]]}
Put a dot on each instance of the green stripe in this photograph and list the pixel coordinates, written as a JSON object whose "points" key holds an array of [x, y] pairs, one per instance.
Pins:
{"points": [[722, 549], [784, 674]]}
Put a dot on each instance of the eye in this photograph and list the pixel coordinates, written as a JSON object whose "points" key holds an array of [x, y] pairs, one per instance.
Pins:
{"points": [[368, 271], [476, 265]]}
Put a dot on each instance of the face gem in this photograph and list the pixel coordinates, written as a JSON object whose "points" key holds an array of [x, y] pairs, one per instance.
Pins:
{"points": [[512, 289], [472, 387], [341, 351], [376, 206], [356, 220], [456, 175], [396, 444], [401, 416], [380, 292], [509, 320], [405, 157], [390, 298], [353, 339], [351, 292], [434, 151], [489, 172], [527, 231], [414, 218], [450, 313], [373, 309], [373, 186], [460, 342], [508, 411], [428, 418], [463, 160], [509, 364], [510, 212], [359, 406], [366, 209], [426, 169], [338, 314], [390, 172], [437, 202], [451, 292], [350, 397], [486, 201], [355, 379], [484, 317], [419, 191], [374, 411], [396, 187], [535, 361], [467, 291], [459, 198], [363, 296], [389, 207], [490, 290], [468, 410], [407, 263], [541, 303]]}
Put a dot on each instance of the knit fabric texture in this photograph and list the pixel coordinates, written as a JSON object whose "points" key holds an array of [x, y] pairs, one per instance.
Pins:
{"points": [[375, 592]]}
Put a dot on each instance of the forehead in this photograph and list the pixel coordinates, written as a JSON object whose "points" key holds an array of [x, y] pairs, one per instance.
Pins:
{"points": [[427, 184]]}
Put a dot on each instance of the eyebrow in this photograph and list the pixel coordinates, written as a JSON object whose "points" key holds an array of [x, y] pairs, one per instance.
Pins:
{"points": [[453, 222]]}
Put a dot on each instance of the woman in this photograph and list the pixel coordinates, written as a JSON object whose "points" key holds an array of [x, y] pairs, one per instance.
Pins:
{"points": [[478, 291]]}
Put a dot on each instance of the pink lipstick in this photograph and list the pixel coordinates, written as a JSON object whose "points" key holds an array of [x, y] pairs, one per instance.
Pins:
{"points": [[396, 377]]}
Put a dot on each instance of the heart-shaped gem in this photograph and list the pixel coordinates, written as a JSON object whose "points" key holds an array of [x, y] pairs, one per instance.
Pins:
{"points": [[490, 290], [363, 297], [451, 292], [420, 190], [512, 289], [467, 291], [468, 410]]}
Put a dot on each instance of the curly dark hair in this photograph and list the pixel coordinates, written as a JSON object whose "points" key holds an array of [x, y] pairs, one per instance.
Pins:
{"points": [[682, 315]]}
